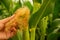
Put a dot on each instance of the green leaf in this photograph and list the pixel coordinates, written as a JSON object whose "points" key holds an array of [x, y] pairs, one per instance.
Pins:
{"points": [[53, 36], [56, 13], [28, 3], [17, 5], [39, 1], [36, 17], [36, 7], [6, 3], [55, 24]]}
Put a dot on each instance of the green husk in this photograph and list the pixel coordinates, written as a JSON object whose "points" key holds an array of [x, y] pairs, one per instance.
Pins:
{"points": [[26, 34], [33, 33]]}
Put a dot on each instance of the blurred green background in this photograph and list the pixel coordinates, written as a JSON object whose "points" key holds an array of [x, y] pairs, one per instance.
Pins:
{"points": [[44, 18]]}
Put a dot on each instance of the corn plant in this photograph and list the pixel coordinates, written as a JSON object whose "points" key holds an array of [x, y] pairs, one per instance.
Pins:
{"points": [[43, 21]]}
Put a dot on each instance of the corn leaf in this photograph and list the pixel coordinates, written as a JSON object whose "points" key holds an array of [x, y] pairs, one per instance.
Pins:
{"points": [[53, 36], [34, 19], [55, 24], [49, 12], [17, 5], [6, 3], [36, 7], [38, 16], [56, 13], [39, 1], [28, 3]]}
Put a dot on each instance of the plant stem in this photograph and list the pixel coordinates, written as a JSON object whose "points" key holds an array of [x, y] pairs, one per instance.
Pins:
{"points": [[19, 35], [33, 33], [26, 34]]}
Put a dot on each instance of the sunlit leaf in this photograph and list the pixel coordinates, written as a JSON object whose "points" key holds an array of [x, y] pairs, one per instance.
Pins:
{"points": [[36, 7]]}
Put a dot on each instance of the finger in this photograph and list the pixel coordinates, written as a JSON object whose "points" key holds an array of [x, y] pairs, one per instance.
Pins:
{"points": [[10, 26], [9, 35], [13, 26], [6, 35], [7, 19], [13, 29], [1, 26], [3, 35]]}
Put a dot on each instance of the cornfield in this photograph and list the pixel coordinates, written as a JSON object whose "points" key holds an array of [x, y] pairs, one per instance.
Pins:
{"points": [[38, 19]]}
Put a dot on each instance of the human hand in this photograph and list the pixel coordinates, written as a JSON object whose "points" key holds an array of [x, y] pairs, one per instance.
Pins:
{"points": [[3, 33]]}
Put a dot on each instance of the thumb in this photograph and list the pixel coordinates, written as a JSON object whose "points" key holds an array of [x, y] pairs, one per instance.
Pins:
{"points": [[7, 19]]}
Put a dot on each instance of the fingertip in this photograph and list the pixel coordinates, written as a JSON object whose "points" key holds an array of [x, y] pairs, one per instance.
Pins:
{"points": [[7, 19]]}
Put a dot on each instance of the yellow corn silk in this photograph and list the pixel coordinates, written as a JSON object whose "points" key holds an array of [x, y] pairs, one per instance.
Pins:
{"points": [[21, 18]]}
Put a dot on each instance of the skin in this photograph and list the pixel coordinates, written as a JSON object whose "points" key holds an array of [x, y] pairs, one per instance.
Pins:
{"points": [[3, 34]]}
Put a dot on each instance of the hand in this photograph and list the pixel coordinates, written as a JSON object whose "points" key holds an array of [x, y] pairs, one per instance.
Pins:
{"points": [[3, 33]]}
